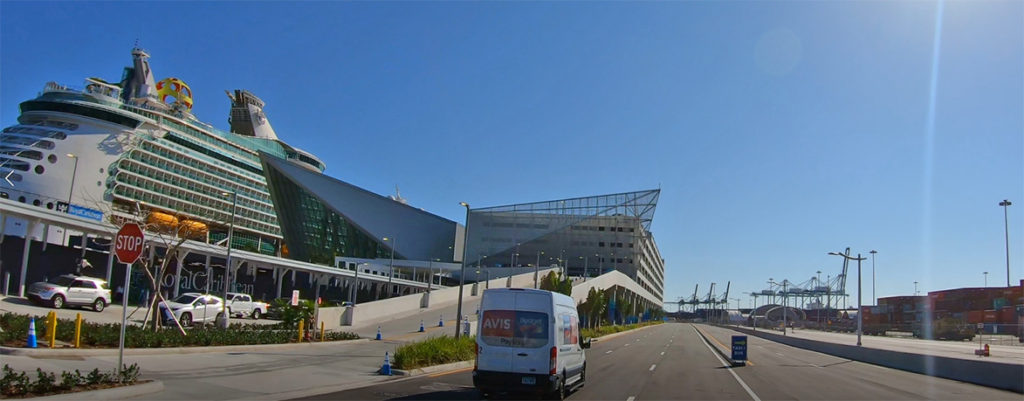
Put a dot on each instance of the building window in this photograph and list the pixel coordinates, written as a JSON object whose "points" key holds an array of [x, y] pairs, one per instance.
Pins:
{"points": [[619, 229], [600, 244], [601, 228], [40, 169], [21, 199], [36, 202]]}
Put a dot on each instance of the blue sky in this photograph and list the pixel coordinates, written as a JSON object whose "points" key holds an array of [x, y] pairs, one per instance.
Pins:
{"points": [[777, 131]]}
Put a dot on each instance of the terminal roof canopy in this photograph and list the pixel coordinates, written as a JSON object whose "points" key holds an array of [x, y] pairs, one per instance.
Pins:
{"points": [[322, 217], [532, 227]]}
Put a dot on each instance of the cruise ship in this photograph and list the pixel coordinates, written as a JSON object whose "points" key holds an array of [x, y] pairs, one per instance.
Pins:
{"points": [[133, 147]]}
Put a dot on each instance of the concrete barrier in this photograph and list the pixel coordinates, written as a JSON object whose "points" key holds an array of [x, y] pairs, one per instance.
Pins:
{"points": [[986, 373], [376, 312]]}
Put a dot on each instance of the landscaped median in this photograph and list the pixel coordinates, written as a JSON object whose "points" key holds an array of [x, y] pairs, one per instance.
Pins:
{"points": [[94, 335], [443, 350], [21, 384], [601, 331]]}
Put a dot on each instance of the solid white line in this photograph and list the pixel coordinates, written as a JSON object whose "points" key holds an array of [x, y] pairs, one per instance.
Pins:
{"points": [[728, 367], [652, 367], [631, 398]]}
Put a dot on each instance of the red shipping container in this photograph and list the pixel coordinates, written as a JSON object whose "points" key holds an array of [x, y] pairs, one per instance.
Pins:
{"points": [[991, 316], [975, 316], [1008, 315]]}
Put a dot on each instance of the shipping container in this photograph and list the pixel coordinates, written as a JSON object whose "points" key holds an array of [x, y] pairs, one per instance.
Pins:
{"points": [[991, 316], [1008, 315], [975, 316]]}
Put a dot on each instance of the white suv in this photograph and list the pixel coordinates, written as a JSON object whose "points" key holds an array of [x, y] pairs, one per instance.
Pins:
{"points": [[71, 290]]}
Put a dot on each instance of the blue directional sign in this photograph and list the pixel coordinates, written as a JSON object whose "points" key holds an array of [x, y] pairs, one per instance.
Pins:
{"points": [[739, 348], [85, 212]]}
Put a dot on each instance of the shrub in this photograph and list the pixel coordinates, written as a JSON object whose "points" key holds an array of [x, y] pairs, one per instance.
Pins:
{"points": [[435, 351], [605, 330], [107, 335]]}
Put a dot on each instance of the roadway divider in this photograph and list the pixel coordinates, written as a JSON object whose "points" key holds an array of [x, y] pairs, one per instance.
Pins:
{"points": [[986, 373], [726, 354]]}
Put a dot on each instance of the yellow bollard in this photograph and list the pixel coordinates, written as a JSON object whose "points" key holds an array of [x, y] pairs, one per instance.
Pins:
{"points": [[78, 331], [53, 329], [321, 331], [301, 324]]}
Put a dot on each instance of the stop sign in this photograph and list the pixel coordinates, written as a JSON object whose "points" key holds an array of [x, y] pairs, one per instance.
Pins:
{"points": [[128, 243]]}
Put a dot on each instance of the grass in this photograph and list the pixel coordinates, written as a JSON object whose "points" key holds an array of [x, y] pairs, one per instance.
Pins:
{"points": [[606, 330], [435, 351]]}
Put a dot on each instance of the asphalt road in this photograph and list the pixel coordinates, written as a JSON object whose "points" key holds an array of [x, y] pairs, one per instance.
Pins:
{"points": [[672, 361]]}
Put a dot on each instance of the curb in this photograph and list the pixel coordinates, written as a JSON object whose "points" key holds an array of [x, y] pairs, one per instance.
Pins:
{"points": [[621, 333], [63, 352], [135, 390], [448, 367]]}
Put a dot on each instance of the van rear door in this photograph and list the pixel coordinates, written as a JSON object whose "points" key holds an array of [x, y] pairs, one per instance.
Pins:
{"points": [[495, 334], [532, 353]]}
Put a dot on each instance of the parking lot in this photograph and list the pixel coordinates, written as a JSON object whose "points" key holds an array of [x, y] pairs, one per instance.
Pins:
{"points": [[112, 313]]}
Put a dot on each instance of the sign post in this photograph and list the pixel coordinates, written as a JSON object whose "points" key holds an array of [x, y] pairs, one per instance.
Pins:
{"points": [[739, 350], [128, 246]]}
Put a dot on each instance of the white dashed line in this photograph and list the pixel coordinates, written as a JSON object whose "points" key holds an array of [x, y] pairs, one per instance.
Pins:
{"points": [[652, 367], [662, 353], [778, 354], [627, 344], [631, 398], [608, 352]]}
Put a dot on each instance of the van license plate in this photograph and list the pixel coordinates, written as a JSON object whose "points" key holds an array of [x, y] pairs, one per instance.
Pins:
{"points": [[530, 380]]}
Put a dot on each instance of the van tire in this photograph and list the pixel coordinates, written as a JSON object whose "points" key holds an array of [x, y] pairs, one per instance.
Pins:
{"points": [[559, 393]]}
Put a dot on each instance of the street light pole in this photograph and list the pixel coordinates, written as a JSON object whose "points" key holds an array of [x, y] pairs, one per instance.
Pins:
{"points": [[536, 270], [874, 301], [915, 288], [74, 172], [860, 314], [1006, 229], [226, 321], [391, 267], [462, 275], [986, 279]]}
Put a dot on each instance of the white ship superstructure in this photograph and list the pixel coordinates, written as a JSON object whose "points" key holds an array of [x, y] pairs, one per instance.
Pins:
{"points": [[133, 146]]}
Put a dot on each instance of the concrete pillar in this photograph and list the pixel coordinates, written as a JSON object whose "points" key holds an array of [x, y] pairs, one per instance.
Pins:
{"points": [[110, 262], [85, 241], [24, 257], [3, 227], [46, 235], [280, 278], [180, 259]]}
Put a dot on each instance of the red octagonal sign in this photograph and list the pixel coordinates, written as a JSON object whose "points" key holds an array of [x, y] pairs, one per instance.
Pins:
{"points": [[129, 243]]}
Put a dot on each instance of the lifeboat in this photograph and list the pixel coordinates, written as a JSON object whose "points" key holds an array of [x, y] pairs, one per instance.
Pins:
{"points": [[164, 221], [194, 229], [284, 250]]}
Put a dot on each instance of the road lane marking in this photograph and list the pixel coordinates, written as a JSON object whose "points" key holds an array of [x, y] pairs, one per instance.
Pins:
{"points": [[728, 368], [779, 354], [451, 372], [662, 353], [631, 398], [652, 367], [627, 344], [608, 351]]}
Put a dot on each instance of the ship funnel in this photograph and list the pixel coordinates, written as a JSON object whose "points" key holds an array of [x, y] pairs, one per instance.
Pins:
{"points": [[247, 117]]}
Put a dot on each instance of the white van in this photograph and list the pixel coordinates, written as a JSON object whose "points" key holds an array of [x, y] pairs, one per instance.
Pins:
{"points": [[528, 341]]}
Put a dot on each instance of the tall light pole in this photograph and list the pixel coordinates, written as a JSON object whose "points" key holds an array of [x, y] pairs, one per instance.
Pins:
{"points": [[1006, 229], [915, 288], [536, 270], [986, 278], [462, 275], [860, 315], [874, 301], [355, 290], [391, 267], [74, 172], [226, 320]]}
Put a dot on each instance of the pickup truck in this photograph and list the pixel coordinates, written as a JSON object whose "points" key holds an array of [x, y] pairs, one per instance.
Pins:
{"points": [[242, 305]]}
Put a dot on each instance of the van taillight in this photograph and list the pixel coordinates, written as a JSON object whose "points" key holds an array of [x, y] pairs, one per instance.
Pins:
{"points": [[554, 361]]}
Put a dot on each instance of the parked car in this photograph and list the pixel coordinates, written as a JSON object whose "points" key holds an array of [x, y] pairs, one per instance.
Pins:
{"points": [[242, 305], [69, 289], [192, 307]]}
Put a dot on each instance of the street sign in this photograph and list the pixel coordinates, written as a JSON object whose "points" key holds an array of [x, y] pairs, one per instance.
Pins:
{"points": [[295, 297], [739, 348], [129, 243], [981, 326]]}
